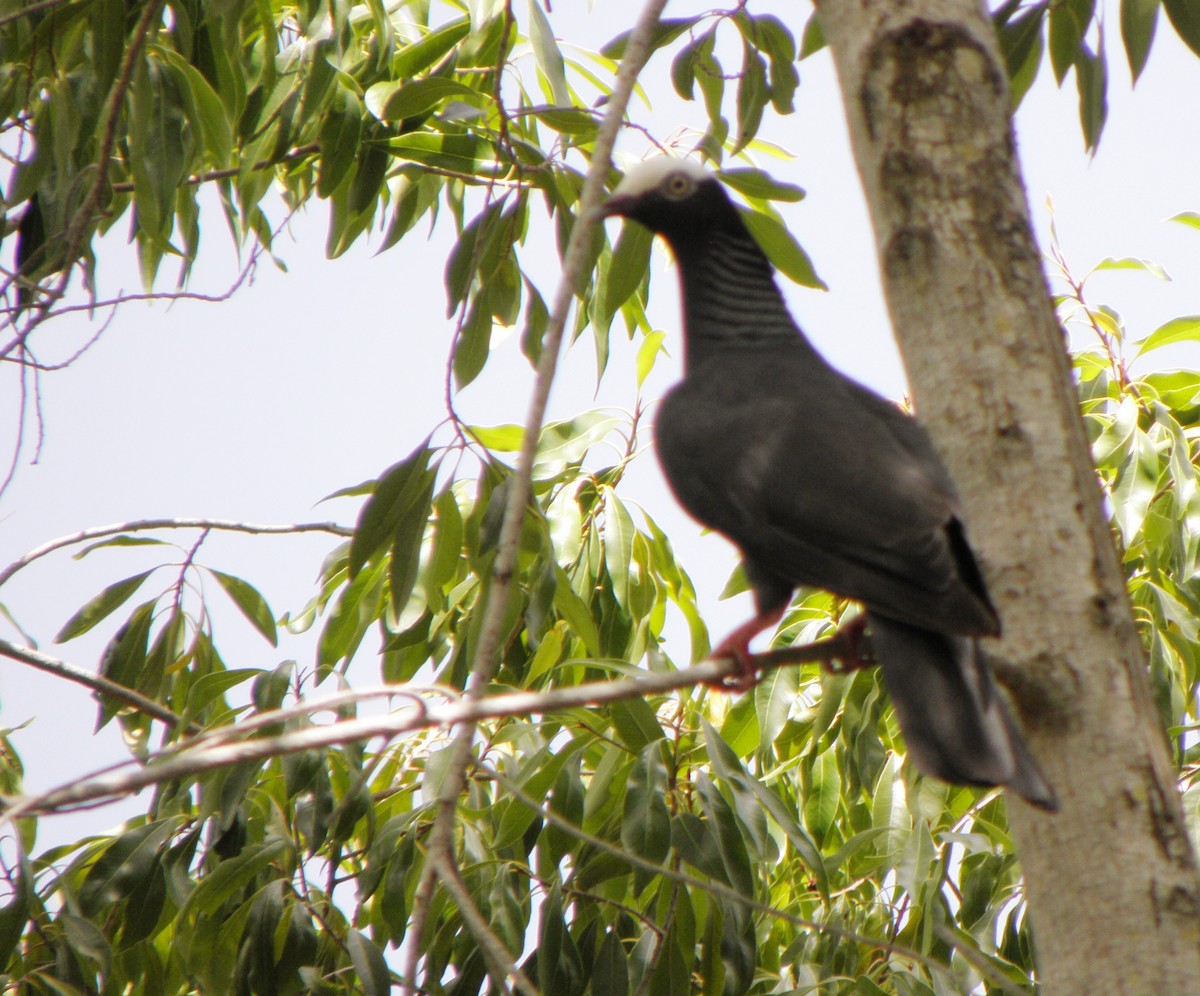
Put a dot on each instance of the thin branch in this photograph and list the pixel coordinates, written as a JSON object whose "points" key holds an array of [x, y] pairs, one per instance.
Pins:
{"points": [[185, 759], [87, 212], [500, 964], [32, 8], [142, 525], [483, 663], [713, 888], [299, 152], [122, 298], [97, 683]]}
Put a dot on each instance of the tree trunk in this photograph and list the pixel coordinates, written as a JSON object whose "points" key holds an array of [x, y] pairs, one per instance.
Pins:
{"points": [[1111, 880]]}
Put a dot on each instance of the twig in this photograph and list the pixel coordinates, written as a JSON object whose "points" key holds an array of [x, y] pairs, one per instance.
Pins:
{"points": [[441, 837], [182, 760], [98, 684], [719, 889], [87, 211], [32, 8], [299, 152], [499, 962], [142, 525]]}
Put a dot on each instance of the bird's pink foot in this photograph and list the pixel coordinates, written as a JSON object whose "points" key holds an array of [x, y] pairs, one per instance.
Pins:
{"points": [[736, 647], [857, 654]]}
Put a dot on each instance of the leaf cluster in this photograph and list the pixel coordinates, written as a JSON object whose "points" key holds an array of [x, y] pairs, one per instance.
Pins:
{"points": [[683, 843]]}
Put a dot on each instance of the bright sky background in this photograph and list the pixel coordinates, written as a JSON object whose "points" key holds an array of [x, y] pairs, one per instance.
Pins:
{"points": [[316, 379]]}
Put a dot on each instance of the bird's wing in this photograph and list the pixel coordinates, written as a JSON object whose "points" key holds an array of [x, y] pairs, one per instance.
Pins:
{"points": [[818, 487]]}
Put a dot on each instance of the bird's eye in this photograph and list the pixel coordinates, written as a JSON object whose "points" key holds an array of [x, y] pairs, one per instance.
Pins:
{"points": [[677, 186]]}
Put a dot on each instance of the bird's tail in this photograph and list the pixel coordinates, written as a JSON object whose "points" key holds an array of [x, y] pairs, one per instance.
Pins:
{"points": [[955, 721]]}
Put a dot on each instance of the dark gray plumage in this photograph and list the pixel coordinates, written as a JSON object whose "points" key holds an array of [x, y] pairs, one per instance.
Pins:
{"points": [[821, 482]]}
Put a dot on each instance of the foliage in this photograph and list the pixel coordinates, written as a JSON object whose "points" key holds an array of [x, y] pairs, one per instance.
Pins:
{"points": [[680, 843], [1073, 33]]}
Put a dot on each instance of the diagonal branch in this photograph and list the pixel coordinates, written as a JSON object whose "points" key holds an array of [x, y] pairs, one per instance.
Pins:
{"points": [[441, 839], [97, 683], [215, 749], [143, 525]]}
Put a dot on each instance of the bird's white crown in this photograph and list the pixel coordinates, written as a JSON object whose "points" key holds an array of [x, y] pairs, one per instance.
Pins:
{"points": [[649, 174]]}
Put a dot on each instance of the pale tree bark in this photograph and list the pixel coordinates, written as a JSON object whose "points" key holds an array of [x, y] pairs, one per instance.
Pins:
{"points": [[1111, 880]]}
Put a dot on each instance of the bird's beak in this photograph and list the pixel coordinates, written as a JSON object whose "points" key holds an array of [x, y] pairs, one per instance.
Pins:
{"points": [[615, 205]]}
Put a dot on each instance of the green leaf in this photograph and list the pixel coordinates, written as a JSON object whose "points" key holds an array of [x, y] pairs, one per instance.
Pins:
{"points": [[209, 687], [667, 31], [1091, 75], [369, 964], [730, 843], [610, 970], [575, 611], [393, 497], [813, 38], [692, 837], [636, 724], [752, 97], [547, 55], [473, 345], [400, 99], [1136, 485], [404, 563], [499, 438], [338, 141], [118, 541], [773, 698], [823, 796], [1185, 18], [100, 607], [1185, 329], [1189, 218], [124, 866], [759, 184], [618, 545], [419, 56], [781, 248], [14, 915], [740, 729], [210, 113], [1068, 22], [645, 821], [1132, 263], [578, 122], [1139, 18], [1020, 36], [683, 70], [252, 605], [629, 266], [647, 353]]}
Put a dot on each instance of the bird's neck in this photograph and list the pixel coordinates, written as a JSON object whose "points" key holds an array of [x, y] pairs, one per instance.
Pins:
{"points": [[730, 300]]}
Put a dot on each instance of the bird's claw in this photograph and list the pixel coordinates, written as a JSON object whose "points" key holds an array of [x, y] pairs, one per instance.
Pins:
{"points": [[745, 674], [858, 649]]}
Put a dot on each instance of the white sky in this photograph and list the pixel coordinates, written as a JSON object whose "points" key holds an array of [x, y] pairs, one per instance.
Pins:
{"points": [[309, 381]]}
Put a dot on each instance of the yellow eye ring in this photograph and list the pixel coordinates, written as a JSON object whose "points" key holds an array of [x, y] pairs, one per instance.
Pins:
{"points": [[678, 185]]}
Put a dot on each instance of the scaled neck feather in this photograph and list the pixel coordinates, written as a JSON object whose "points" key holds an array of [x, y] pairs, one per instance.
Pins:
{"points": [[730, 299]]}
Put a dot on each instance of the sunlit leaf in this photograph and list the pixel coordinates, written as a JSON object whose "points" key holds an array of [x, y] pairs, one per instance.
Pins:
{"points": [[101, 607]]}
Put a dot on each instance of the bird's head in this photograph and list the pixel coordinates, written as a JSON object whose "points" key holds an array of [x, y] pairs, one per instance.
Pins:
{"points": [[670, 196]]}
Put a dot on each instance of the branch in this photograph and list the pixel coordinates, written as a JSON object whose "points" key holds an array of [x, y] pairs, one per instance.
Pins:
{"points": [[141, 525], [441, 838], [97, 683], [32, 8], [499, 961], [712, 888], [214, 749], [299, 152], [88, 210]]}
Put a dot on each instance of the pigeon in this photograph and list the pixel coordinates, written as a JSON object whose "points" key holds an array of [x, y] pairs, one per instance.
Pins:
{"points": [[822, 483]]}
